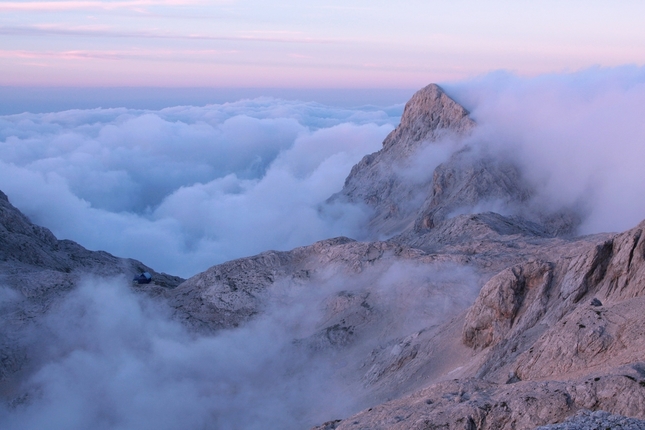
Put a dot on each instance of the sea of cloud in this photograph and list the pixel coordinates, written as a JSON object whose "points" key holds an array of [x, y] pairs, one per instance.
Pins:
{"points": [[184, 188]]}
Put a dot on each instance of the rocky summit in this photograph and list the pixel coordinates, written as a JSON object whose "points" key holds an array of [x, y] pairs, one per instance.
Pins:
{"points": [[451, 315]]}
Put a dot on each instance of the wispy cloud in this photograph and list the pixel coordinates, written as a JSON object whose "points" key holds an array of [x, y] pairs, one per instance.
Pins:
{"points": [[577, 138], [104, 31], [53, 6], [147, 54]]}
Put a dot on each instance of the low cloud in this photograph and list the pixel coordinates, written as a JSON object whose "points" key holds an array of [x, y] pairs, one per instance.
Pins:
{"points": [[185, 188], [104, 357]]}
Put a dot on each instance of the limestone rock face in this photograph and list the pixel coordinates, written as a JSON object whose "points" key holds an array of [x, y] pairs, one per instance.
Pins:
{"points": [[429, 113], [549, 338], [500, 301], [476, 404], [428, 172], [464, 182], [586, 419]]}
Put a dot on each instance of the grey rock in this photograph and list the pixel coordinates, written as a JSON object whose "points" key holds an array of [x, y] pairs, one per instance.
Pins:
{"points": [[473, 403], [500, 301], [411, 202]]}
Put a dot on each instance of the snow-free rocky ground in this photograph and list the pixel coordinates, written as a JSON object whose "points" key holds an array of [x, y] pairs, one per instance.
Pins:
{"points": [[451, 318]]}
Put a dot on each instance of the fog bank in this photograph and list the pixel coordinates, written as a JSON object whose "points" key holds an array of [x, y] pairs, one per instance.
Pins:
{"points": [[185, 188], [579, 138], [104, 357]]}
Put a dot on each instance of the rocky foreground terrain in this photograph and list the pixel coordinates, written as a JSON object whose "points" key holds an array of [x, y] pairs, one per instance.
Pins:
{"points": [[454, 316]]}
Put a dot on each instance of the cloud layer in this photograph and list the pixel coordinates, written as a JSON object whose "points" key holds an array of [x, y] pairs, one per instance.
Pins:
{"points": [[185, 188], [578, 138]]}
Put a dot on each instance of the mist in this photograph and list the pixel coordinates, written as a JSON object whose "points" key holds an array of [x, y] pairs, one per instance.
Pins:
{"points": [[105, 357], [578, 138]]}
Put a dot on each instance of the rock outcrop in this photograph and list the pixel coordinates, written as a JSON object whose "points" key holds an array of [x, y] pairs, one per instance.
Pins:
{"points": [[586, 419], [428, 172], [549, 339]]}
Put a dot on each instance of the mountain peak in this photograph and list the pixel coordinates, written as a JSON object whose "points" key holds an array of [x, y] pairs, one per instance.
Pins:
{"points": [[376, 180], [426, 114]]}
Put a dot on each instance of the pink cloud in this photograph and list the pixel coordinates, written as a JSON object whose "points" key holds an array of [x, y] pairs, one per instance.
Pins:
{"points": [[164, 54], [106, 31]]}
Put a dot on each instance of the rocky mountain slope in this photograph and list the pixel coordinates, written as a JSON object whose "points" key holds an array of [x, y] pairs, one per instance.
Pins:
{"points": [[554, 330], [547, 338], [454, 316], [39, 270]]}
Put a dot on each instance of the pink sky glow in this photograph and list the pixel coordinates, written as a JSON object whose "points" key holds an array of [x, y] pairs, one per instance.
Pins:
{"points": [[40, 6], [360, 44]]}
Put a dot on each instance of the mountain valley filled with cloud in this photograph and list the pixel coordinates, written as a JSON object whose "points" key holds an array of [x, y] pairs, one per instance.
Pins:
{"points": [[406, 266]]}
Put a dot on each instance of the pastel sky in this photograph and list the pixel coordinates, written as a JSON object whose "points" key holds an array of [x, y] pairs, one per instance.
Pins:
{"points": [[308, 44]]}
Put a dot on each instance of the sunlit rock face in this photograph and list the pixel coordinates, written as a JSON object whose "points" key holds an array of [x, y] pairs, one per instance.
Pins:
{"points": [[467, 305]]}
